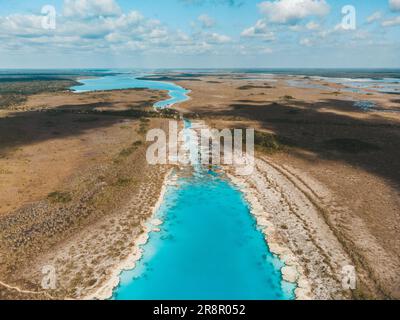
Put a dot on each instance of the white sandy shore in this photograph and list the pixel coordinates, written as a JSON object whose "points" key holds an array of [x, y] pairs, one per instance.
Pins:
{"points": [[294, 228], [292, 271], [106, 290]]}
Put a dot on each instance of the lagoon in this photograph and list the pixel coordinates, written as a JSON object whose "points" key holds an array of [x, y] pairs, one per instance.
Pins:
{"points": [[116, 82], [209, 246]]}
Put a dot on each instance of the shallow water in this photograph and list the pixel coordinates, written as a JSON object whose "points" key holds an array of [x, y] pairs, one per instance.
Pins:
{"points": [[365, 105], [209, 246], [385, 85], [359, 85], [176, 93]]}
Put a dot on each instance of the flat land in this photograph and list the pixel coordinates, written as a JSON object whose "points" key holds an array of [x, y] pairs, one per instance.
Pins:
{"points": [[347, 157], [75, 187]]}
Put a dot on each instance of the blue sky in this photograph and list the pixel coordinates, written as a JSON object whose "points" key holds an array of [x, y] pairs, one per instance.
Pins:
{"points": [[199, 34]]}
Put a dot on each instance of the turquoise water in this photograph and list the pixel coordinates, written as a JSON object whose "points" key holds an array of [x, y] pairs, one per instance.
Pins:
{"points": [[209, 246], [176, 93]]}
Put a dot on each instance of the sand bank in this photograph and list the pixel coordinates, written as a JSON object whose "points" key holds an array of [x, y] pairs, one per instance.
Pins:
{"points": [[106, 290], [295, 232]]}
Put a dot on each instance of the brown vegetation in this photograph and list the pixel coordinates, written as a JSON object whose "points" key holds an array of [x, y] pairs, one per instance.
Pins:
{"points": [[75, 187]]}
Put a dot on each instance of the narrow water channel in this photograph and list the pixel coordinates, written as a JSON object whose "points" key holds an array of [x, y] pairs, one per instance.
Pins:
{"points": [[209, 246]]}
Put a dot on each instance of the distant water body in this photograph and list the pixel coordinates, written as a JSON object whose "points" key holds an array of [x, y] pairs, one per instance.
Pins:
{"points": [[359, 85], [209, 246], [114, 82], [375, 74]]}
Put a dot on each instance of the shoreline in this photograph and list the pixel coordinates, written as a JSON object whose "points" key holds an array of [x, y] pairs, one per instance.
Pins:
{"points": [[105, 291], [291, 272], [299, 205], [157, 108], [169, 91], [295, 231]]}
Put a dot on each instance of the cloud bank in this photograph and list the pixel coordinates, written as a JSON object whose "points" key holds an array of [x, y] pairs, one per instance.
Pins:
{"points": [[293, 11]]}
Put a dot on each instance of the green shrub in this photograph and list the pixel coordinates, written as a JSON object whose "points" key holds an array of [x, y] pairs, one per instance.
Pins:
{"points": [[59, 197], [268, 142], [123, 182]]}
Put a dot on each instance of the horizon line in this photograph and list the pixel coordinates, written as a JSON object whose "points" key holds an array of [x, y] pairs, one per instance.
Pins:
{"points": [[205, 68]]}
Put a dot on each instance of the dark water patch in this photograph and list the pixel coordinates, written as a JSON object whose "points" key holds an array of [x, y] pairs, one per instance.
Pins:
{"points": [[372, 106], [365, 105]]}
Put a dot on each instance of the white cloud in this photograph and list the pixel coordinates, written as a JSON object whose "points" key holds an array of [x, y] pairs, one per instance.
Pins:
{"points": [[339, 27], [391, 22], [21, 25], [292, 11], [394, 5], [374, 17], [206, 21], [295, 27], [306, 42], [103, 28], [267, 51], [361, 35], [259, 30], [90, 8], [312, 25], [210, 38], [218, 38], [129, 31]]}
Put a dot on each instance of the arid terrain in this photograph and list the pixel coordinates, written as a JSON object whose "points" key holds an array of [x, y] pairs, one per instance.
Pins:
{"points": [[76, 189], [343, 159]]}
